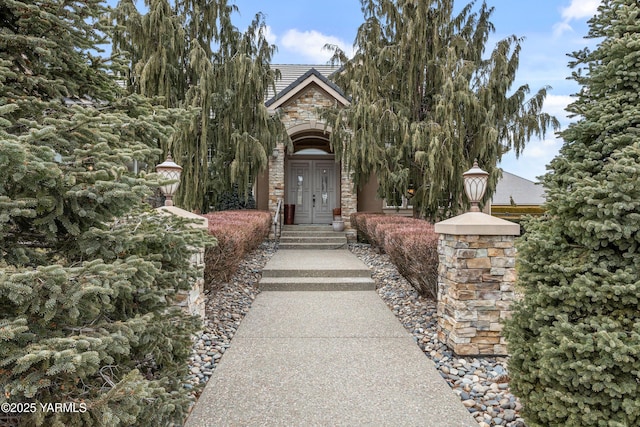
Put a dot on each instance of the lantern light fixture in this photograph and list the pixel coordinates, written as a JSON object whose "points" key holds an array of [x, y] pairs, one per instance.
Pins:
{"points": [[475, 185], [169, 171]]}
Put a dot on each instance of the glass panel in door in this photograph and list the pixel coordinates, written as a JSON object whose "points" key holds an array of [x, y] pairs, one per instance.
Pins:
{"points": [[311, 186], [324, 191], [299, 190]]}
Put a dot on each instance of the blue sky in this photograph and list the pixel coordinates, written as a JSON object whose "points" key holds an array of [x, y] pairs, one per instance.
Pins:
{"points": [[551, 28]]}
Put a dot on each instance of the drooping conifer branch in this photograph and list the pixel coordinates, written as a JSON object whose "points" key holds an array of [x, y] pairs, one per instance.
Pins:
{"points": [[189, 53], [427, 101]]}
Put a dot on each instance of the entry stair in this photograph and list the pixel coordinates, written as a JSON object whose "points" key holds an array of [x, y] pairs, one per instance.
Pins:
{"points": [[312, 237], [317, 270], [323, 265]]}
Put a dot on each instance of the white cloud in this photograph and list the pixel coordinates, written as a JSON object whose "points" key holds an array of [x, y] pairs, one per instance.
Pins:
{"points": [[543, 149], [577, 10], [556, 104], [310, 44], [270, 35], [580, 9], [559, 28]]}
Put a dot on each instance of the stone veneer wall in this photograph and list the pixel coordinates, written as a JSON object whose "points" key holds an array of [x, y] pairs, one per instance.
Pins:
{"points": [[193, 300], [302, 109], [475, 291], [276, 178], [301, 113], [348, 197]]}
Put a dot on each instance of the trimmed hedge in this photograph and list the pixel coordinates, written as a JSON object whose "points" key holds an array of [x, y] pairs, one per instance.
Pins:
{"points": [[412, 245], [238, 233]]}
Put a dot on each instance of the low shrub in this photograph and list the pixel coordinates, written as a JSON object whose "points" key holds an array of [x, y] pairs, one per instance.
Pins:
{"points": [[379, 228], [237, 232], [358, 222], [414, 250], [412, 245]]}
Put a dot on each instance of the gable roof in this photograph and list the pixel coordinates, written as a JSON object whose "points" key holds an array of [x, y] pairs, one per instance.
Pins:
{"points": [[520, 190], [291, 72], [294, 78]]}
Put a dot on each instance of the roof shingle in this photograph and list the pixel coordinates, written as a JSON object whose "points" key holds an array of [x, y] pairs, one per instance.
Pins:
{"points": [[292, 72], [520, 190]]}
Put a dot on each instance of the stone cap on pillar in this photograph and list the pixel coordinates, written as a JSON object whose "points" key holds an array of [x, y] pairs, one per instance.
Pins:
{"points": [[477, 224], [202, 222]]}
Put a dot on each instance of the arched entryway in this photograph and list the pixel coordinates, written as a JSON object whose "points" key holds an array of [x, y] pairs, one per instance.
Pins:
{"points": [[312, 177]]}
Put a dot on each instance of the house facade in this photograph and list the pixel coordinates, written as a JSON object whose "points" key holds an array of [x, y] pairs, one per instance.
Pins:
{"points": [[309, 176]]}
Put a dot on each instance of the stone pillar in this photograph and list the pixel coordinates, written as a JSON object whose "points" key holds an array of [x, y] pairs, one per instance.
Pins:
{"points": [[276, 178], [348, 197], [192, 301], [476, 275]]}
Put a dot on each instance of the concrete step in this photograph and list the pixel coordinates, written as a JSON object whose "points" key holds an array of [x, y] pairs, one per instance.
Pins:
{"points": [[314, 227], [304, 246], [317, 284], [307, 237], [310, 263], [313, 239], [312, 245], [303, 272], [298, 233]]}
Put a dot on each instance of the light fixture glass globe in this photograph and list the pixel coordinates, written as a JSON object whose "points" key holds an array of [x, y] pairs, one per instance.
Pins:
{"points": [[170, 171], [475, 185]]}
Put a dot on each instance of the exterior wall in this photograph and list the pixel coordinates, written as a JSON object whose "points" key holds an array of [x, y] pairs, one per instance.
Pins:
{"points": [[262, 191], [368, 200], [298, 114], [302, 109], [476, 277], [348, 199]]}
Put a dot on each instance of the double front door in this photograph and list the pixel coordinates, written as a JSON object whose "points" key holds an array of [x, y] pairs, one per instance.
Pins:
{"points": [[312, 188]]}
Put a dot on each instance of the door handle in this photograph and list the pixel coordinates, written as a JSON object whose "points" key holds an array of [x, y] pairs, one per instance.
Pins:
{"points": [[314, 200]]}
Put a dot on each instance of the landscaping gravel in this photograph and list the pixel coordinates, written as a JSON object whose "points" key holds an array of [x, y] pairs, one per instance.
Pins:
{"points": [[481, 383]]}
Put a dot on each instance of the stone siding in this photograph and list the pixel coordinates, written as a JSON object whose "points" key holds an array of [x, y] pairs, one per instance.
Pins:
{"points": [[475, 292], [303, 108], [348, 197], [193, 300], [276, 178]]}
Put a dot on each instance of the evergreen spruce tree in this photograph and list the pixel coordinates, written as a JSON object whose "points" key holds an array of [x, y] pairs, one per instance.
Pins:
{"points": [[88, 275], [190, 53], [575, 338], [427, 102]]}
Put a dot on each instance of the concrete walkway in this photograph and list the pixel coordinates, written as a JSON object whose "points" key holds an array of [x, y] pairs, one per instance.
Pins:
{"points": [[324, 358]]}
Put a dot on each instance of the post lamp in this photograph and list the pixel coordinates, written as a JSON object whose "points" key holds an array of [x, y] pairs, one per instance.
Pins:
{"points": [[170, 171], [475, 185]]}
